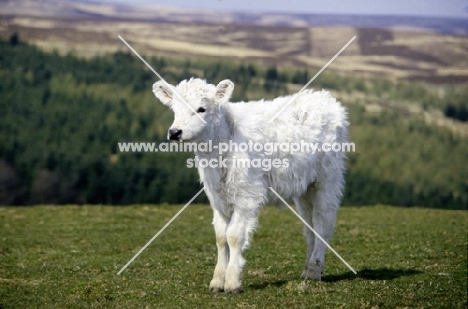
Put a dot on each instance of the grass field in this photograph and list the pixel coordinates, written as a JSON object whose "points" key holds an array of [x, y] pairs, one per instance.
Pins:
{"points": [[68, 257]]}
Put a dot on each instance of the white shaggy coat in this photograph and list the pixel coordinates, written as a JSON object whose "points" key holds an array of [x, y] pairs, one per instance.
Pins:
{"points": [[313, 181]]}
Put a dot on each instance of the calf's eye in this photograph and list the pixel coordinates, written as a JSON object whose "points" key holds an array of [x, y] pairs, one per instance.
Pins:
{"points": [[201, 110]]}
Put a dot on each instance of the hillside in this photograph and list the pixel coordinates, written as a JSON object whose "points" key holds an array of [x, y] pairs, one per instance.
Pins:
{"points": [[66, 104], [61, 118], [390, 47], [96, 9]]}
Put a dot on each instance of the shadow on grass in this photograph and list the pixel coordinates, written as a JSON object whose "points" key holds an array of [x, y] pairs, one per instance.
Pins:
{"points": [[366, 274], [372, 274], [263, 285]]}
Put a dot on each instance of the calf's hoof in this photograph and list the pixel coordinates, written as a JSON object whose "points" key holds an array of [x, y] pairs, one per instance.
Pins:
{"points": [[233, 291], [216, 290], [233, 287], [216, 286], [313, 271], [312, 274]]}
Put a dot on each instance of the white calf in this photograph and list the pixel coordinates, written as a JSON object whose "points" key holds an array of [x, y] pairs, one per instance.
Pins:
{"points": [[314, 181]]}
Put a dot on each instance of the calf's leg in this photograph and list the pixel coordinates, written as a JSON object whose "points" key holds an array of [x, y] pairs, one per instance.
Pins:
{"points": [[305, 209], [325, 201], [220, 225], [237, 235]]}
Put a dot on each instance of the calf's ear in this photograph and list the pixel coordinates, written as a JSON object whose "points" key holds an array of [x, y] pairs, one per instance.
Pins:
{"points": [[163, 92], [224, 91]]}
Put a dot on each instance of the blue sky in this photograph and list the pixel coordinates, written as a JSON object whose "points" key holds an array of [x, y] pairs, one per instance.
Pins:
{"points": [[441, 8]]}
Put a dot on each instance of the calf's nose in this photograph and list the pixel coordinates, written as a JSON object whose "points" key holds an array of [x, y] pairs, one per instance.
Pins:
{"points": [[175, 134]]}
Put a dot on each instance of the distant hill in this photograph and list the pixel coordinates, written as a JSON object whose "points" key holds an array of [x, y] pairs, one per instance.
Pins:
{"points": [[62, 117], [99, 10], [433, 50]]}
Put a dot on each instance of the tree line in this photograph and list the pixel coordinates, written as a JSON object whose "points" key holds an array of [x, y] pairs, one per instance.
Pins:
{"points": [[61, 118]]}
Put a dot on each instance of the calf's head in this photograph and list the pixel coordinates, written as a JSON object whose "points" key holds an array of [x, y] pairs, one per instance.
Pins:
{"points": [[195, 104]]}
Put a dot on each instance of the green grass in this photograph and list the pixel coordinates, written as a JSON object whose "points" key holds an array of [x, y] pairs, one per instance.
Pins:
{"points": [[68, 257]]}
